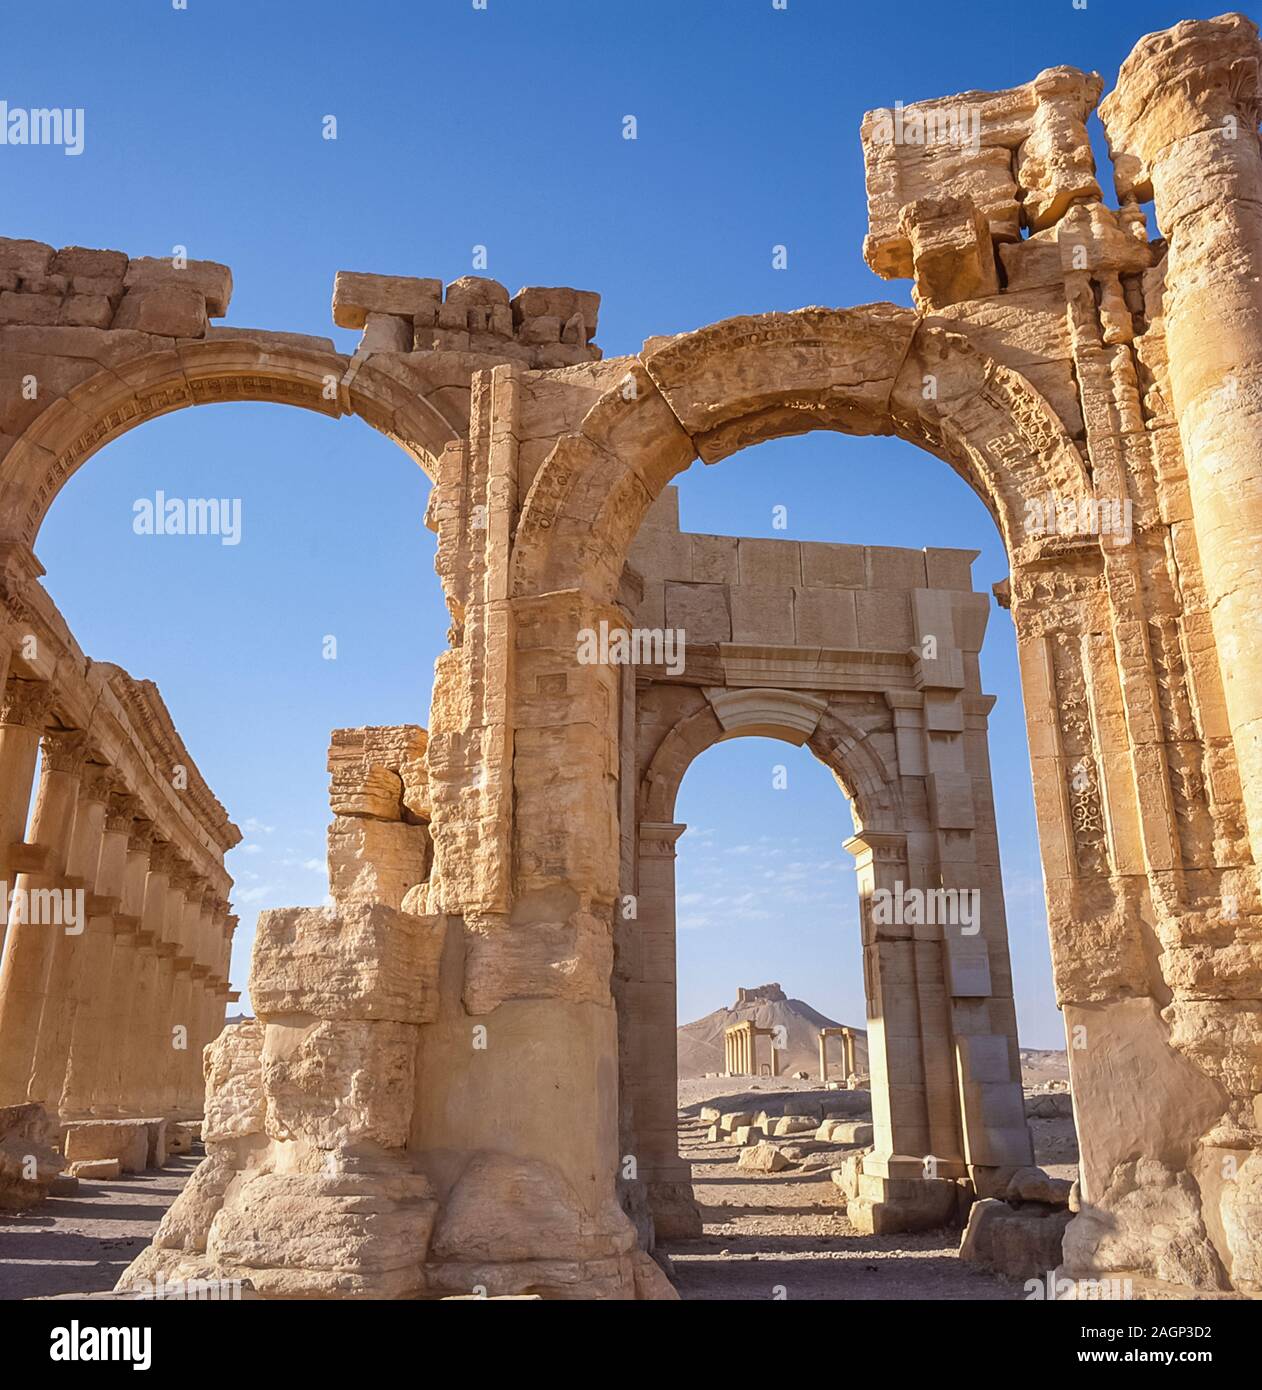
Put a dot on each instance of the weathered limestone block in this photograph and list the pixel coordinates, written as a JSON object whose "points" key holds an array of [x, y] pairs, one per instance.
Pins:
{"points": [[125, 1140], [96, 1169], [1034, 1185], [359, 961], [350, 1235], [26, 259], [846, 1178], [171, 310], [376, 861], [795, 1124], [1022, 1244], [357, 295], [1148, 1219], [1241, 1215], [208, 278], [186, 1222], [953, 257], [1055, 166], [902, 1204], [28, 1162], [340, 1083], [504, 1210], [380, 771], [571, 959], [763, 1158], [387, 333], [1022, 156], [235, 1103]]}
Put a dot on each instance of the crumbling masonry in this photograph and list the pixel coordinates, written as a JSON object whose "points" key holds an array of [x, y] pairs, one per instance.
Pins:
{"points": [[440, 1092]]}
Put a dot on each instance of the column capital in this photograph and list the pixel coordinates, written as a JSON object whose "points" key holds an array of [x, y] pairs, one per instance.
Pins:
{"points": [[181, 876], [1199, 76], [26, 703], [140, 836], [880, 845], [163, 857], [64, 750], [657, 838], [97, 781], [120, 813]]}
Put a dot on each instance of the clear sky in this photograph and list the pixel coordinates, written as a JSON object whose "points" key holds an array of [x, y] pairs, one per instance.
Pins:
{"points": [[501, 127]]}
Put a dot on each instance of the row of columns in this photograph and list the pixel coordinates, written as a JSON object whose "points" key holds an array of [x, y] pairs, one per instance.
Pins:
{"points": [[114, 968], [740, 1049]]}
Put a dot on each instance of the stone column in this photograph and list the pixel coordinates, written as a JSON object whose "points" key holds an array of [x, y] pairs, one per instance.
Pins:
{"points": [[653, 1076], [23, 711], [94, 977], [823, 1056], [1182, 129], [62, 987], [177, 966], [146, 1049], [189, 1062], [126, 966], [28, 946]]}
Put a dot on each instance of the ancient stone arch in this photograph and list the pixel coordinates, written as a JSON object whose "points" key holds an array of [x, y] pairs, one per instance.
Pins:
{"points": [[905, 737], [458, 1061], [133, 378], [876, 369]]}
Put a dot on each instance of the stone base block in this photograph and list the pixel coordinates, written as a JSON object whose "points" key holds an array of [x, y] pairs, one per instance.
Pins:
{"points": [[885, 1205], [179, 1138], [1024, 1244], [28, 1163], [676, 1215], [96, 1169], [125, 1140]]}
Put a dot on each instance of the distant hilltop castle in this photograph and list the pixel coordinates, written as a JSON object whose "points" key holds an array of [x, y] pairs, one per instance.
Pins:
{"points": [[761, 994]]}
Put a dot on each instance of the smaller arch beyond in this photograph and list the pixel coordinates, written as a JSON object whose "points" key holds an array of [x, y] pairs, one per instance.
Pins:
{"points": [[792, 717], [113, 395]]}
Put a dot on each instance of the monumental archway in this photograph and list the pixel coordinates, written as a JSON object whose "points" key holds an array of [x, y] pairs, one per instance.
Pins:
{"points": [[1069, 368], [837, 662]]}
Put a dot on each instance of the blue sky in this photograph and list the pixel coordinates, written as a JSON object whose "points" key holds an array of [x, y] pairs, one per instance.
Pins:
{"points": [[503, 128]]}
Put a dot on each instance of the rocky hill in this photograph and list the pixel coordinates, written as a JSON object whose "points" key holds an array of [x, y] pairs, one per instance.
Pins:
{"points": [[701, 1042]]}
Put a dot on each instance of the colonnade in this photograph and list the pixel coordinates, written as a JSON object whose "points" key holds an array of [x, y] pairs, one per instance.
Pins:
{"points": [[740, 1047], [117, 932]]}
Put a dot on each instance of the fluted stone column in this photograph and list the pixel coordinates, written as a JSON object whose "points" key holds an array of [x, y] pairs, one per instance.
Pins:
{"points": [[28, 946], [85, 1074], [1182, 128], [61, 1000], [23, 713], [125, 968]]}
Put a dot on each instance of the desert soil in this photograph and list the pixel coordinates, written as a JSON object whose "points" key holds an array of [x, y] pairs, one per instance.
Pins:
{"points": [[785, 1235], [81, 1244]]}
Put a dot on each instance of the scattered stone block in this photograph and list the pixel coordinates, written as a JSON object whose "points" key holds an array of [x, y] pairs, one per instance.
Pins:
{"points": [[1022, 1244], [1034, 1185], [96, 1170], [125, 1140], [28, 1162], [763, 1158], [795, 1124]]}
